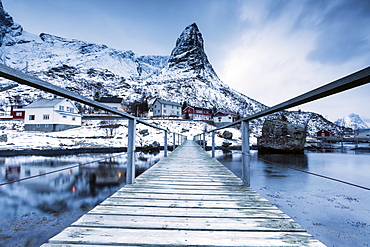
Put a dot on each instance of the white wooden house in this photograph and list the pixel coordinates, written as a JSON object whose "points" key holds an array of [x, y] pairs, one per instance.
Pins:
{"points": [[48, 115], [364, 134], [223, 118], [162, 108]]}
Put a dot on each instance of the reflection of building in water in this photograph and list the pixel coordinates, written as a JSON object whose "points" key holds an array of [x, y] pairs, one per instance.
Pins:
{"points": [[105, 174], [12, 173], [59, 181]]}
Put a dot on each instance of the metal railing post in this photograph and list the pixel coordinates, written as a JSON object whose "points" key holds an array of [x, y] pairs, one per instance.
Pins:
{"points": [[204, 141], [245, 154], [213, 144], [178, 140], [165, 143], [174, 141], [130, 170]]}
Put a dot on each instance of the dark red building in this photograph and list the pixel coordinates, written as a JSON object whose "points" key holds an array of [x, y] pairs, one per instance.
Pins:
{"points": [[197, 113], [17, 112], [324, 133]]}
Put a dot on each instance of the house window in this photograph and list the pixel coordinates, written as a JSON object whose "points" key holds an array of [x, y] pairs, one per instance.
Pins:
{"points": [[38, 125], [18, 114], [73, 118], [164, 106], [46, 125], [46, 117], [72, 110], [61, 108], [164, 111], [32, 117], [64, 116]]}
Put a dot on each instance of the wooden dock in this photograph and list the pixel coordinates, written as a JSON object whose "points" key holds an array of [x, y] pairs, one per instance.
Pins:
{"points": [[186, 199]]}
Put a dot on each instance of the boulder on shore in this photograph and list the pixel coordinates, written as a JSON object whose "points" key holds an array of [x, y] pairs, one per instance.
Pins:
{"points": [[279, 136]]}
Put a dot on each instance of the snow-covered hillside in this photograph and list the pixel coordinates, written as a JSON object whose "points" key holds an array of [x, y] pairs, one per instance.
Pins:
{"points": [[95, 70]]}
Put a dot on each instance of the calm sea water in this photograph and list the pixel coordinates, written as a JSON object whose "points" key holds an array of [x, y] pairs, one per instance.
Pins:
{"points": [[337, 214], [34, 210]]}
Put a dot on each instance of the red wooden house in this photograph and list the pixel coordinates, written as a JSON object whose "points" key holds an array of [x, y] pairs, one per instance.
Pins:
{"points": [[197, 113], [324, 133], [17, 112]]}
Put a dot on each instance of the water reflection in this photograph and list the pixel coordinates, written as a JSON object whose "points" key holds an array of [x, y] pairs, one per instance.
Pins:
{"points": [[68, 189], [335, 213]]}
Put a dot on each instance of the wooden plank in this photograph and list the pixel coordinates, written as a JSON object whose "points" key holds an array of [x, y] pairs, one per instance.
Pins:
{"points": [[166, 190], [219, 224], [197, 197], [190, 212], [117, 236], [117, 201]]}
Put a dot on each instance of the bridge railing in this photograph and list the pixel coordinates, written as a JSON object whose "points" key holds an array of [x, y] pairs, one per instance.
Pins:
{"points": [[26, 79], [353, 80]]}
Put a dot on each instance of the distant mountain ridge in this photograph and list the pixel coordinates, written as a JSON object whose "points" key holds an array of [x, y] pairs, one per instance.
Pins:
{"points": [[95, 70], [353, 121]]}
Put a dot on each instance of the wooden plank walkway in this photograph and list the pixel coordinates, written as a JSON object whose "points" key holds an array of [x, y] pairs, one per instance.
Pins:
{"points": [[186, 199]]}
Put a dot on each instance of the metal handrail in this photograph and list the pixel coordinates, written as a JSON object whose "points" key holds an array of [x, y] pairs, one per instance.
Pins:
{"points": [[26, 79], [353, 80]]}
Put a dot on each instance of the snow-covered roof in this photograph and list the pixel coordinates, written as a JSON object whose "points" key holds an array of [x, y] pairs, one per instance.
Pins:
{"points": [[110, 100], [221, 113], [163, 102], [45, 103]]}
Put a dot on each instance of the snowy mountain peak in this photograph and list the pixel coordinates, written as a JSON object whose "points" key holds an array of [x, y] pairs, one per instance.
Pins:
{"points": [[353, 121], [8, 29], [188, 54]]}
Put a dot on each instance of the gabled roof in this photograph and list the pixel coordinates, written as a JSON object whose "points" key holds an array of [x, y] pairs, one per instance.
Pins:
{"points": [[110, 100], [163, 102], [45, 103], [222, 113]]}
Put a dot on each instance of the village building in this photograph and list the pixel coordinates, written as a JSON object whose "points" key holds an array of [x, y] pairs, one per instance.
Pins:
{"points": [[49, 115], [222, 118], [324, 133], [113, 102], [17, 112], [364, 134], [197, 113], [162, 108]]}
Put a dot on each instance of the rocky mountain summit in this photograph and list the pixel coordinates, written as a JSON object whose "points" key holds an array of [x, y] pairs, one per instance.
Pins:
{"points": [[95, 70]]}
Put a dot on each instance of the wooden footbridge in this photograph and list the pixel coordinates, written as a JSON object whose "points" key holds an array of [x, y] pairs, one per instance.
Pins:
{"points": [[186, 199]]}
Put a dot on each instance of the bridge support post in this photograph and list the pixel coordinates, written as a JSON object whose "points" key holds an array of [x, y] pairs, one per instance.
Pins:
{"points": [[130, 170], [165, 144], [245, 154], [204, 141], [213, 144]]}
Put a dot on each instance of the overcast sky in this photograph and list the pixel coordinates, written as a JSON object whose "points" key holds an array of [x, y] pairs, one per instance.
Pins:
{"points": [[269, 50]]}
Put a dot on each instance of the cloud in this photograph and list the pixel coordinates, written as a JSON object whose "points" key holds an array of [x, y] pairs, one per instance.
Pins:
{"points": [[343, 33], [280, 55]]}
